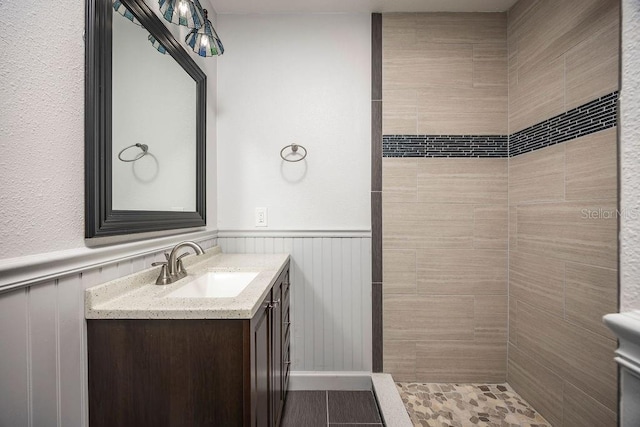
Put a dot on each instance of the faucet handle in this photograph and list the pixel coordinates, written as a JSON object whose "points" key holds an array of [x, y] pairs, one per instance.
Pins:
{"points": [[166, 256], [163, 278]]}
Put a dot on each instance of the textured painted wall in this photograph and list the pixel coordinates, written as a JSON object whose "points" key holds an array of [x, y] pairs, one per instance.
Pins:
{"points": [[42, 127], [630, 158]]}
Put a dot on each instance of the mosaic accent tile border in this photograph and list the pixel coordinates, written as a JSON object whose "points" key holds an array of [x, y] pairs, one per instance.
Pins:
{"points": [[444, 146], [594, 116], [462, 405]]}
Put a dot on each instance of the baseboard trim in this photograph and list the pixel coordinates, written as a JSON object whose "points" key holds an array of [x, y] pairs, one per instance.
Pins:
{"points": [[16, 273], [329, 380]]}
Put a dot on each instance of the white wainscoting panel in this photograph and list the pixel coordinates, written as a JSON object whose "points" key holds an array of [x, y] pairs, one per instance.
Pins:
{"points": [[43, 346], [330, 297]]}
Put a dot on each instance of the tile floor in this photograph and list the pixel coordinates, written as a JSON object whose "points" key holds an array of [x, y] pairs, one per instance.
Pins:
{"points": [[331, 408], [460, 405]]}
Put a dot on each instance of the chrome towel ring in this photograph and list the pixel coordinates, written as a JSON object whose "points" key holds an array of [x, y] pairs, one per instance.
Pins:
{"points": [[143, 147], [294, 150]]}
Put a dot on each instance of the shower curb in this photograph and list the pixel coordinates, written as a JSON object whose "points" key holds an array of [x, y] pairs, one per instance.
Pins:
{"points": [[393, 412]]}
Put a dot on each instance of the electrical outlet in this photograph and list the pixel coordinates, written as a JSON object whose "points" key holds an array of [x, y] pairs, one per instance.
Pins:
{"points": [[261, 217]]}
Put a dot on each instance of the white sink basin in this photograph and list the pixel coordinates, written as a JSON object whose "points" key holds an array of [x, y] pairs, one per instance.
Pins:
{"points": [[215, 284]]}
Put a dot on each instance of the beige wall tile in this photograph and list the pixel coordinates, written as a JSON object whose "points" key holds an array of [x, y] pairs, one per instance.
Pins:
{"points": [[537, 176], [490, 228], [592, 67], [457, 62], [428, 318], [398, 30], [445, 110], [591, 292], [581, 410], [400, 112], [432, 64], [461, 361], [581, 357], [583, 232], [491, 313], [399, 179], [539, 94], [592, 166], [539, 386], [461, 27], [426, 225], [517, 14], [553, 28], [461, 271], [479, 181], [543, 35], [537, 280], [490, 65], [400, 359], [399, 271]]}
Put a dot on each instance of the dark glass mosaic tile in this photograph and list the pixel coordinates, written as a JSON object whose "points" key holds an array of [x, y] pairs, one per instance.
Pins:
{"points": [[594, 116]]}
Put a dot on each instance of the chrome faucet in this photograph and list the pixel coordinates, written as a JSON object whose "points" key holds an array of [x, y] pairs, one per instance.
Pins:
{"points": [[172, 268]]}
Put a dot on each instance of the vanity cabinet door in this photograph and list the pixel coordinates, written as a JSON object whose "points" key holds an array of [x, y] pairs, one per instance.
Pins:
{"points": [[276, 390], [270, 347], [286, 335], [261, 369]]}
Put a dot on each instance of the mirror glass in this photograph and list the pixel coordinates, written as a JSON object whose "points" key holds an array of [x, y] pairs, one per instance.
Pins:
{"points": [[144, 102], [153, 103]]}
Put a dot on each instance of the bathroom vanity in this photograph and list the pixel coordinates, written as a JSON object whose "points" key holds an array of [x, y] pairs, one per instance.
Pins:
{"points": [[168, 356]]}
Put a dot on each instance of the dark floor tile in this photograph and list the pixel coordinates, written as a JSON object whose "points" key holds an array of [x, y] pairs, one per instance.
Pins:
{"points": [[353, 407], [305, 408]]}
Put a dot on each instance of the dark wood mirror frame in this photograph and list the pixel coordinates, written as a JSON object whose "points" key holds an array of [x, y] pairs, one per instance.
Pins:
{"points": [[100, 218]]}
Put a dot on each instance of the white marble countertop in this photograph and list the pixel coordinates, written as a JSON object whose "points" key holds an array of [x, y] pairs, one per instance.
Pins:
{"points": [[138, 297]]}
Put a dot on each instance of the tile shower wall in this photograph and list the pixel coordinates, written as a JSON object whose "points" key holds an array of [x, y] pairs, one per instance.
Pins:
{"points": [[562, 212], [445, 219]]}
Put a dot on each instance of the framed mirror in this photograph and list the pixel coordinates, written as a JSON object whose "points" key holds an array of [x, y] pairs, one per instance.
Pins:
{"points": [[145, 109]]}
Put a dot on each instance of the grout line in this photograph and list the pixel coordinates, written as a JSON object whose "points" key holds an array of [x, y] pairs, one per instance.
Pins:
{"points": [[327, 402], [564, 81]]}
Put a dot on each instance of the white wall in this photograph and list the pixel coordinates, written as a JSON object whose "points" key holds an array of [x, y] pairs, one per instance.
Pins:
{"points": [[303, 79], [42, 127], [630, 158]]}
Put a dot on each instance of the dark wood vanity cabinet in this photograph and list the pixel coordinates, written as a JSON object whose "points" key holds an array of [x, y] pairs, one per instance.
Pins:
{"points": [[192, 372], [271, 343]]}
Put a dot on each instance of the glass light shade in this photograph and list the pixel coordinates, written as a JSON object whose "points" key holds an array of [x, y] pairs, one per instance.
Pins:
{"points": [[204, 40], [122, 10], [181, 12], [159, 47]]}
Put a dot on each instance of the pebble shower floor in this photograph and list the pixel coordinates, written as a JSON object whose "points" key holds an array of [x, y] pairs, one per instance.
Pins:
{"points": [[461, 405]]}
